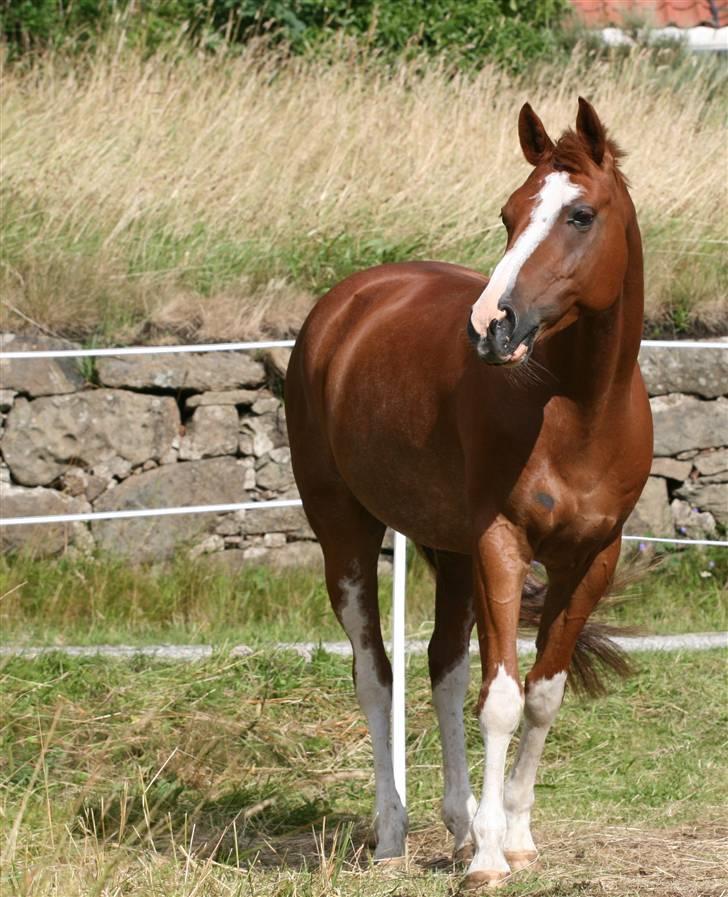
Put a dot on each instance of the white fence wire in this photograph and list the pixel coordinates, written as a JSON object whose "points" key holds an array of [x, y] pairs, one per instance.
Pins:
{"points": [[249, 506], [400, 542]]}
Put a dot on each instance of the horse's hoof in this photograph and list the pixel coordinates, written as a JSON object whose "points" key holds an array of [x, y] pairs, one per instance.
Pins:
{"points": [[463, 855], [489, 878], [520, 859]]}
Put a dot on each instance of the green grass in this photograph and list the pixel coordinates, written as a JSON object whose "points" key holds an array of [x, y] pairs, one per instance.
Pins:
{"points": [[126, 778], [101, 600]]}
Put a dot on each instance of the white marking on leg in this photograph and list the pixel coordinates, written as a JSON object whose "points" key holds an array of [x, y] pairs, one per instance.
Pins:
{"points": [[375, 700], [458, 805], [499, 719], [543, 699], [556, 192]]}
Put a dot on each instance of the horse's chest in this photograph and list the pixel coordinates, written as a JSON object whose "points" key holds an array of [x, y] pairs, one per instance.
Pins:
{"points": [[574, 507]]}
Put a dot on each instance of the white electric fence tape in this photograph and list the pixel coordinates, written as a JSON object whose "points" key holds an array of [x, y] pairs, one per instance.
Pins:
{"points": [[263, 344], [400, 541]]}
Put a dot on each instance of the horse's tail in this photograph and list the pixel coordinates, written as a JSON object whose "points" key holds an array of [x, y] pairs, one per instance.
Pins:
{"points": [[596, 654]]}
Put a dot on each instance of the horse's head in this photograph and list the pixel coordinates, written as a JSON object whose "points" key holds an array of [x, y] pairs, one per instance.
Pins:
{"points": [[567, 245]]}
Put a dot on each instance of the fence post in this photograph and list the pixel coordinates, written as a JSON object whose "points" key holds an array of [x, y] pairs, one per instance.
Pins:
{"points": [[398, 678]]}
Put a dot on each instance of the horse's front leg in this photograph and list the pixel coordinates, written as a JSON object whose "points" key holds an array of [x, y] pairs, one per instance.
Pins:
{"points": [[571, 597], [501, 559]]}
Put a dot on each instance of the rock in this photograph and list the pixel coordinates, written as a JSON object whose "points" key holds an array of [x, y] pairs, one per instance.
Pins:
{"points": [[687, 456], [232, 560], [274, 472], [701, 372], [235, 397], [296, 554], [684, 422], [113, 469], [7, 397], [652, 516], [711, 497], [77, 481], [259, 434], [671, 469], [276, 362], [218, 371], [214, 481], [212, 431], [172, 453], [209, 545], [44, 377], [276, 520], [255, 554], [256, 436], [274, 540], [228, 525], [266, 405], [42, 540], [712, 463], [689, 522], [45, 436]]}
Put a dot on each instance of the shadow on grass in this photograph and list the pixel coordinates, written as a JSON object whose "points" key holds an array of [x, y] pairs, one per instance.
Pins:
{"points": [[243, 827]]}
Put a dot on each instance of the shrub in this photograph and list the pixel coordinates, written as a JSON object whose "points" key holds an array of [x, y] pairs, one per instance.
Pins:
{"points": [[466, 31]]}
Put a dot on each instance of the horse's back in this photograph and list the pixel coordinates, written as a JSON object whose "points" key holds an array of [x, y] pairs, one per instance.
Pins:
{"points": [[432, 297]]}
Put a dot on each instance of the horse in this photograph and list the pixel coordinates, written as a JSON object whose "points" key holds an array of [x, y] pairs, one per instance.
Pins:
{"points": [[495, 422]]}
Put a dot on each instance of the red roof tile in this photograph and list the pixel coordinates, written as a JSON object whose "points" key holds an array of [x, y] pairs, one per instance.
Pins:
{"points": [[683, 13]]}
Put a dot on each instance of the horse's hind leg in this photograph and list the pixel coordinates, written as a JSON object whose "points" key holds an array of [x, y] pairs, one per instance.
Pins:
{"points": [[351, 538], [570, 599], [448, 655]]}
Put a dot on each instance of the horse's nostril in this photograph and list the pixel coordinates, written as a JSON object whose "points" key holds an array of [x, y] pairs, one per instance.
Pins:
{"points": [[493, 326], [510, 316]]}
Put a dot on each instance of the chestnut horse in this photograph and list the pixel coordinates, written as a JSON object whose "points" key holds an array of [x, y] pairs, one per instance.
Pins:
{"points": [[493, 422]]}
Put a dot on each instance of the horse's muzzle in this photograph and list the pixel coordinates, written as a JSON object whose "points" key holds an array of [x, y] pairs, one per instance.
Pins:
{"points": [[508, 340]]}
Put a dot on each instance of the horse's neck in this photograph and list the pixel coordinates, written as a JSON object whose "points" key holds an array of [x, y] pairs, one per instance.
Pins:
{"points": [[598, 358]]}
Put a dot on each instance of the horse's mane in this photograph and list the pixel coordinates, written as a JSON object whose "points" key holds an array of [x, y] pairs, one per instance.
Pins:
{"points": [[570, 154]]}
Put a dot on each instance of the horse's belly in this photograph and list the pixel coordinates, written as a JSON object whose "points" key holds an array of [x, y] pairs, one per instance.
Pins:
{"points": [[417, 494]]}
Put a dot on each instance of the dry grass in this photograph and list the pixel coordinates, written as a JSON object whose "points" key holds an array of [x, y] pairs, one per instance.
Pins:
{"points": [[213, 197]]}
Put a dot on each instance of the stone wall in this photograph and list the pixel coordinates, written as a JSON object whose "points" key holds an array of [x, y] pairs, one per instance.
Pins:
{"points": [[167, 430]]}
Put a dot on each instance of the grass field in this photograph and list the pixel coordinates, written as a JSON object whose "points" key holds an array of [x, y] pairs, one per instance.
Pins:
{"points": [[102, 601], [214, 197], [253, 777]]}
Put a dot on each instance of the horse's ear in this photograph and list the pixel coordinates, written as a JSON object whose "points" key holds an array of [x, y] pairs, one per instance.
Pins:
{"points": [[591, 130], [535, 142]]}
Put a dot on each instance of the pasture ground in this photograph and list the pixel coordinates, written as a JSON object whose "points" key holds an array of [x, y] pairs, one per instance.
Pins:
{"points": [[252, 776]]}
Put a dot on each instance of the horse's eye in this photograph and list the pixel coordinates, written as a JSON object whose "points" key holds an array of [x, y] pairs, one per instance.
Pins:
{"points": [[582, 218]]}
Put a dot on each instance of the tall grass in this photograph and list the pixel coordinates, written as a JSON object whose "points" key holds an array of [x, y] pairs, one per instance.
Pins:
{"points": [[217, 195]]}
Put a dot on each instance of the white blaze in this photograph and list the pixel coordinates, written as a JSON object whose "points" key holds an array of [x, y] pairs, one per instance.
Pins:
{"points": [[556, 192]]}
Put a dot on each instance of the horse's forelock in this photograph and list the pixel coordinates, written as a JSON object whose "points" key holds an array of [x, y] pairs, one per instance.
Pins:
{"points": [[570, 154]]}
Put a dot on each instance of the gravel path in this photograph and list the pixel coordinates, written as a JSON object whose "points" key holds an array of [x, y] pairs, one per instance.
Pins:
{"points": [[701, 641]]}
